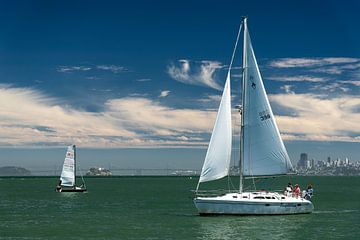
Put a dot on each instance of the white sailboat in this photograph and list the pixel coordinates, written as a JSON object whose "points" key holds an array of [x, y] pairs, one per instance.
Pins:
{"points": [[67, 182], [262, 151]]}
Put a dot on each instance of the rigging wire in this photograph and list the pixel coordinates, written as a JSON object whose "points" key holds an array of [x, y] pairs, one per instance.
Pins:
{"points": [[82, 178]]}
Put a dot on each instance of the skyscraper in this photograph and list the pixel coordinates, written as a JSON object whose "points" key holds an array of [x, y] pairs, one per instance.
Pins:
{"points": [[303, 160]]}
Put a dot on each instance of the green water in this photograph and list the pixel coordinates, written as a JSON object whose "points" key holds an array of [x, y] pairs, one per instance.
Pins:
{"points": [[162, 208]]}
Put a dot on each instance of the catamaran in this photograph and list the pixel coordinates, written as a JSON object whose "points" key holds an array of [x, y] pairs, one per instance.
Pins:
{"points": [[67, 182], [262, 151]]}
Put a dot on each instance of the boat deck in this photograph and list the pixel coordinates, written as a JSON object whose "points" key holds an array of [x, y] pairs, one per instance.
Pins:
{"points": [[253, 203]]}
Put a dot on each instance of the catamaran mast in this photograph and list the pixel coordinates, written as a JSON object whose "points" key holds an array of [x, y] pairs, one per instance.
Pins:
{"points": [[243, 93], [74, 148]]}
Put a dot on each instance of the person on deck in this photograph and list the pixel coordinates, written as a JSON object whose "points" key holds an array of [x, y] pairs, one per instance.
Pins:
{"points": [[288, 190], [297, 190], [58, 187], [308, 193]]}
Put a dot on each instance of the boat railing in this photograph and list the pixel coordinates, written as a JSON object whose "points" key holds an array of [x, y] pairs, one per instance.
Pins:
{"points": [[210, 193]]}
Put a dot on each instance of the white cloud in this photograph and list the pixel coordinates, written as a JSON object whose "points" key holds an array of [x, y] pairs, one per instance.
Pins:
{"points": [[164, 93], [355, 83], [112, 68], [202, 75], [143, 80], [211, 98], [315, 117], [145, 114], [310, 62], [298, 79], [70, 69], [287, 89], [26, 113], [30, 118], [330, 87]]}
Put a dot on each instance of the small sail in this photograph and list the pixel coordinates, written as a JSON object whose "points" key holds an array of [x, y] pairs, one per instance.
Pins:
{"points": [[217, 160], [68, 172], [264, 150]]}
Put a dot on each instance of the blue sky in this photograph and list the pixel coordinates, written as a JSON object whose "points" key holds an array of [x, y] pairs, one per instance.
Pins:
{"points": [[148, 74]]}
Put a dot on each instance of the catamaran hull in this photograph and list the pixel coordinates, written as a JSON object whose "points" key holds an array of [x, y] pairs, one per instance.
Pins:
{"points": [[73, 190], [211, 206], [77, 189]]}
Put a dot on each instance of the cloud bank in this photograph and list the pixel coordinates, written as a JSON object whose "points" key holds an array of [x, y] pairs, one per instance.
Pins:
{"points": [[318, 118], [30, 118]]}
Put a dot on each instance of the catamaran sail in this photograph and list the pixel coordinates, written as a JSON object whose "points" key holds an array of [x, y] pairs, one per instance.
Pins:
{"points": [[262, 149], [67, 181], [68, 172]]}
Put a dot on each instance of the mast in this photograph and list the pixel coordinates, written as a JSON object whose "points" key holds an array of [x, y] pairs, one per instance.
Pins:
{"points": [[243, 97], [74, 147]]}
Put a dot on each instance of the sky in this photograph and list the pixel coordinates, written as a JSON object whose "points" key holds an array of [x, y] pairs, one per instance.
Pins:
{"points": [[140, 81]]}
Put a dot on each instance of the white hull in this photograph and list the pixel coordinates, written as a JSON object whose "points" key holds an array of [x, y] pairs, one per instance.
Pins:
{"points": [[252, 203]]}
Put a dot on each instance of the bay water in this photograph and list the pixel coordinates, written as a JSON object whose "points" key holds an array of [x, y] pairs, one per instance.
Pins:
{"points": [[162, 208]]}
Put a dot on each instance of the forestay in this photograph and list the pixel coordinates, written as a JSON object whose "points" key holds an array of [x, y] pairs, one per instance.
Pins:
{"points": [[264, 151], [68, 172], [217, 160]]}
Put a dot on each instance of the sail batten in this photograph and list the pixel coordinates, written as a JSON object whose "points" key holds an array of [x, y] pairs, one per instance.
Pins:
{"points": [[217, 160], [68, 172]]}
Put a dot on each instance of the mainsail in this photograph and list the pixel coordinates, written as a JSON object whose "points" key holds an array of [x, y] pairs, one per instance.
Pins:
{"points": [[68, 172], [217, 160], [264, 151]]}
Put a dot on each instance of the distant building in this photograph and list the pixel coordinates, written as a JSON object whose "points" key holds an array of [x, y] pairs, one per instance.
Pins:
{"points": [[321, 163], [312, 164], [98, 172], [302, 163]]}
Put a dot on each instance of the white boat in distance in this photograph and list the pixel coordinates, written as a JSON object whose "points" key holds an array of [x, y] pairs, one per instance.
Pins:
{"points": [[67, 182], [262, 151]]}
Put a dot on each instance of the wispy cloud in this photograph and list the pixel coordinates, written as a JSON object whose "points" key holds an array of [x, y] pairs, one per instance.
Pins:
{"points": [[203, 74], [81, 68], [151, 116], [112, 68], [297, 79], [310, 62], [330, 87], [355, 83], [211, 98], [143, 80], [318, 118], [164, 93], [70, 69], [287, 89]]}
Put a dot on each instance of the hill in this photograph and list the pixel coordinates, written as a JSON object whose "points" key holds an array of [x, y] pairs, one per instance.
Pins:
{"points": [[14, 171]]}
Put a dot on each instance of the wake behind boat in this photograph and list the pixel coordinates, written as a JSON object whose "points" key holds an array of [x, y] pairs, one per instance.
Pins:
{"points": [[67, 182], [262, 151]]}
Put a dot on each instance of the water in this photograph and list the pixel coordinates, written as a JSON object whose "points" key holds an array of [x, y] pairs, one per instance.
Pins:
{"points": [[162, 208]]}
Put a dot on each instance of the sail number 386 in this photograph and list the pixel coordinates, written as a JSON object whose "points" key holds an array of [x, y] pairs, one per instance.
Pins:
{"points": [[264, 115]]}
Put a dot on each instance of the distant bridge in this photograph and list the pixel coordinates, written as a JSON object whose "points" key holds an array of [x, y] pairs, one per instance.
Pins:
{"points": [[127, 172]]}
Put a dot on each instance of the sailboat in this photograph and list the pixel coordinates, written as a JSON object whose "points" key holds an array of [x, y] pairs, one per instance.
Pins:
{"points": [[67, 182], [262, 151]]}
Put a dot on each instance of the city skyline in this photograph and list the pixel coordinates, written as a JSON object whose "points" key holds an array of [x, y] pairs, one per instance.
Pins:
{"points": [[150, 77]]}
